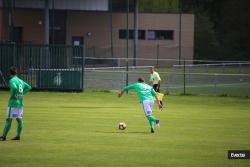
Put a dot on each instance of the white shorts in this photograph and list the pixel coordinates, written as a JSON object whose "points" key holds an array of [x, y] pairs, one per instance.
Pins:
{"points": [[148, 106], [13, 112]]}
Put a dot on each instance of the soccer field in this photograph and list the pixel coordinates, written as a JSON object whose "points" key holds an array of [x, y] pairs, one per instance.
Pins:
{"points": [[80, 130]]}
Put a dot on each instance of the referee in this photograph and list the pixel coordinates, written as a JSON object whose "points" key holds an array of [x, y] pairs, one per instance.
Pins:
{"points": [[155, 80]]}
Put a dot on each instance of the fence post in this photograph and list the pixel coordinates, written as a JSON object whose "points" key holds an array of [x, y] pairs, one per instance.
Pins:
{"points": [[15, 56], [127, 72], [93, 51], [127, 41], [215, 84], [83, 66], [184, 76], [111, 32], [239, 68], [157, 55]]}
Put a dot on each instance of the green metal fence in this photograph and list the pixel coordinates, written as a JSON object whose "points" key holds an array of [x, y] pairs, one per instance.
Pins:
{"points": [[45, 67]]}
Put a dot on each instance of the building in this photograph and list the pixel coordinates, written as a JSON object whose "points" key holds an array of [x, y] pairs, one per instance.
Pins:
{"points": [[90, 22]]}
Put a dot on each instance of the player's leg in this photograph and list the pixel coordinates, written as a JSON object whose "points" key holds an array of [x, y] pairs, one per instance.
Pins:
{"points": [[157, 89], [6, 129], [153, 118], [19, 129], [7, 123], [147, 107], [19, 116]]}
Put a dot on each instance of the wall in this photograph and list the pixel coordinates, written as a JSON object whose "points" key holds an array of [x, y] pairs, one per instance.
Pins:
{"points": [[80, 23], [32, 23], [97, 25]]}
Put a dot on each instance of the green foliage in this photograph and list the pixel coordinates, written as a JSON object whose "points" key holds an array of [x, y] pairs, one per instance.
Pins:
{"points": [[221, 27], [206, 44], [159, 6], [230, 38], [234, 29]]}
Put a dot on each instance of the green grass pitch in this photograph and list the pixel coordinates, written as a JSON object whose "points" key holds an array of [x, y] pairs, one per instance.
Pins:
{"points": [[80, 130]]}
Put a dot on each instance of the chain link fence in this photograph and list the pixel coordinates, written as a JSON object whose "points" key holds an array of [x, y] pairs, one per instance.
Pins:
{"points": [[213, 78], [55, 67]]}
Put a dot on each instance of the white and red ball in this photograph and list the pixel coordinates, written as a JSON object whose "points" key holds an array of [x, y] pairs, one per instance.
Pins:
{"points": [[122, 126]]}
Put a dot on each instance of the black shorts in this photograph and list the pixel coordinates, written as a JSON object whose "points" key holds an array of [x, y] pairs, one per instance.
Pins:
{"points": [[156, 87]]}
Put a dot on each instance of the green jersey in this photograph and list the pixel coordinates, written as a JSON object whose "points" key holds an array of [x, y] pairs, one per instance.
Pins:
{"points": [[144, 91], [17, 89]]}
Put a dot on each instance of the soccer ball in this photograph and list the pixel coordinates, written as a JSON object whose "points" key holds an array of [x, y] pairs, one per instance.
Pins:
{"points": [[122, 126]]}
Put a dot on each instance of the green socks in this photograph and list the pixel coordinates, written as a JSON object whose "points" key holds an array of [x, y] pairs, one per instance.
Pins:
{"points": [[19, 127], [7, 128], [151, 120]]}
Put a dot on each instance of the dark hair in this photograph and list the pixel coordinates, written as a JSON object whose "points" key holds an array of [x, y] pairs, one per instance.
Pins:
{"points": [[141, 79], [13, 70]]}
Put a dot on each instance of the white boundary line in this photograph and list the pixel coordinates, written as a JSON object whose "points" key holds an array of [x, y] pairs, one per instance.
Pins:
{"points": [[204, 65], [209, 85], [177, 60], [111, 70]]}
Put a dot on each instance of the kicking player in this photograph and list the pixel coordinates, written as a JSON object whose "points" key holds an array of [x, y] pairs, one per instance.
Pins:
{"points": [[145, 93], [15, 106]]}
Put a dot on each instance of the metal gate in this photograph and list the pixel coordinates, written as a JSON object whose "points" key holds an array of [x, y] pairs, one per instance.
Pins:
{"points": [[45, 67]]}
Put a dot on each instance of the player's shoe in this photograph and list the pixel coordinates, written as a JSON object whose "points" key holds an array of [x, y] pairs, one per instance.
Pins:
{"points": [[15, 138], [152, 130], [157, 122], [2, 138]]}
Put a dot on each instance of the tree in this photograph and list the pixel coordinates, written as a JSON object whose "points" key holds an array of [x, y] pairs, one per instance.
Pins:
{"points": [[206, 44], [222, 27], [233, 30], [159, 6], [230, 25]]}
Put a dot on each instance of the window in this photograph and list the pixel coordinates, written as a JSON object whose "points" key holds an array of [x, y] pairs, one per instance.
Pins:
{"points": [[141, 34], [123, 34], [160, 34], [151, 35]]}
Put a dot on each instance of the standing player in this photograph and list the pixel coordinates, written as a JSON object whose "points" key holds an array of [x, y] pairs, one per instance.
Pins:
{"points": [[155, 80], [15, 106], [145, 93]]}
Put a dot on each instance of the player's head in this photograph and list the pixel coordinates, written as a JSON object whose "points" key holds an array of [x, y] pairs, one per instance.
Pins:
{"points": [[151, 69], [141, 79], [13, 71]]}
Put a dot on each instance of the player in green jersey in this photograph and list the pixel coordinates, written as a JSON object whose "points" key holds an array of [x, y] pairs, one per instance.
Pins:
{"points": [[15, 106], [146, 95]]}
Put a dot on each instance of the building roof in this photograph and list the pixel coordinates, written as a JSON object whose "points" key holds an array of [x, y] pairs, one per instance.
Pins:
{"points": [[86, 5]]}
